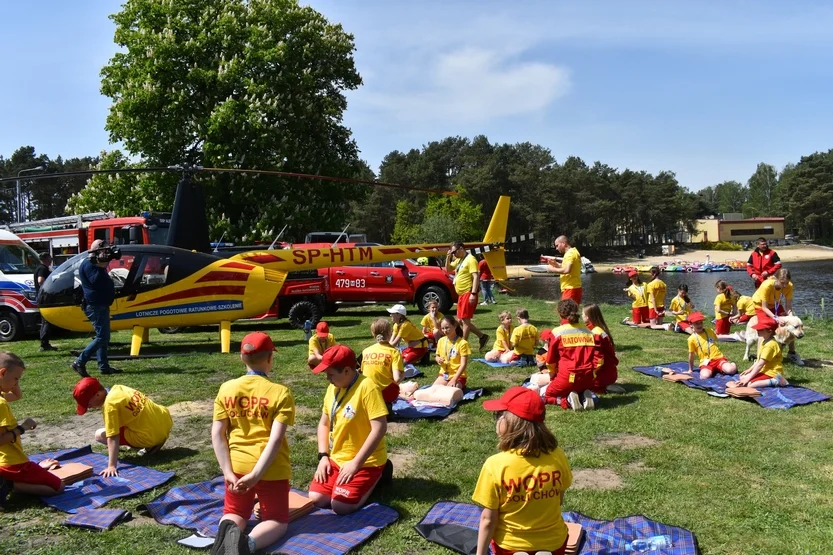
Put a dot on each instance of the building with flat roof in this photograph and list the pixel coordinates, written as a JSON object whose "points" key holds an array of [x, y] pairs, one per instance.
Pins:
{"points": [[712, 230]]}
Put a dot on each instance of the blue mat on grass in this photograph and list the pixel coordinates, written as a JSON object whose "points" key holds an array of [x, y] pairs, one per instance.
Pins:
{"points": [[83, 498], [770, 398], [519, 362], [198, 507], [412, 409], [601, 537], [412, 371]]}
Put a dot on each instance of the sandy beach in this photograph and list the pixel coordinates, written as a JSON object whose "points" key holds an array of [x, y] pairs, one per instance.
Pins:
{"points": [[791, 253]]}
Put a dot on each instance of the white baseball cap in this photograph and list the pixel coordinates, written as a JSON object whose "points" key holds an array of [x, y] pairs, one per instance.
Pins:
{"points": [[398, 309]]}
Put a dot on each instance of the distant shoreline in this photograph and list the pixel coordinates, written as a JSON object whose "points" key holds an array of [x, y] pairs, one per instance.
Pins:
{"points": [[788, 254]]}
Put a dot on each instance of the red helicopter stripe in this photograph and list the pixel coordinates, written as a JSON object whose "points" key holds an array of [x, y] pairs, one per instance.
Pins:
{"points": [[265, 258], [391, 251], [204, 291], [238, 266], [224, 276]]}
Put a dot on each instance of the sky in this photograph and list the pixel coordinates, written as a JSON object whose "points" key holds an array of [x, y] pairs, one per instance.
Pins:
{"points": [[705, 89]]}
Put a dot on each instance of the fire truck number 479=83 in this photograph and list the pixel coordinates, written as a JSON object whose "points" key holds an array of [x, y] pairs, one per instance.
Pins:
{"points": [[350, 283]]}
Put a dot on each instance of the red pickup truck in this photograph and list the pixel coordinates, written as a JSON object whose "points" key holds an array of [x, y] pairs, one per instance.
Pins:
{"points": [[402, 281]]}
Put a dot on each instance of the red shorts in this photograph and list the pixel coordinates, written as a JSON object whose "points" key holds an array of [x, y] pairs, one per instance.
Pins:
{"points": [[760, 377], [722, 326], [561, 385], [640, 315], [744, 318], [273, 496], [574, 294], [30, 473], [465, 309], [684, 325], [122, 439], [411, 354], [781, 312], [714, 365], [390, 393], [352, 492], [498, 550], [653, 314]]}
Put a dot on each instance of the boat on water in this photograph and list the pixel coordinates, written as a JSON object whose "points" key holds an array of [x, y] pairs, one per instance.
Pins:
{"points": [[586, 265]]}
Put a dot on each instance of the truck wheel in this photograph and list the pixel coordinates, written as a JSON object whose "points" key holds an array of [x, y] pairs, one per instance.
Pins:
{"points": [[434, 293], [303, 311], [10, 327], [171, 329]]}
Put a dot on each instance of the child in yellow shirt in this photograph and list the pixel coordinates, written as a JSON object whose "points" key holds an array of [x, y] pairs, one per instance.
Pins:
{"points": [[17, 472], [656, 290], [524, 339], [431, 323], [320, 342], [383, 363], [251, 414], [521, 489], [453, 353], [502, 336], [130, 418], [640, 314], [768, 369], [723, 308], [703, 343], [415, 344]]}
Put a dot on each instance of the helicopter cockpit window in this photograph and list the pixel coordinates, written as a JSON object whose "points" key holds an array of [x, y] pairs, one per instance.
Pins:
{"points": [[152, 272], [118, 270]]}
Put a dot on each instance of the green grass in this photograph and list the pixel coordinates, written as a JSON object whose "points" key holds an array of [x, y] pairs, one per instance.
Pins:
{"points": [[742, 478]]}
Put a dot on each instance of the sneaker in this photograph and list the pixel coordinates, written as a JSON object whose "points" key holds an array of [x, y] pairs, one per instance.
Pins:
{"points": [[150, 450], [613, 388], [243, 545], [494, 301], [6, 487], [217, 548], [484, 339], [484, 303], [589, 403], [110, 370], [80, 369], [232, 540], [797, 360], [574, 401], [387, 473], [47, 347]]}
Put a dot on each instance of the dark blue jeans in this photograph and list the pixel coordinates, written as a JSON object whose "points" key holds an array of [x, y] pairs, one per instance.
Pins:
{"points": [[100, 319]]}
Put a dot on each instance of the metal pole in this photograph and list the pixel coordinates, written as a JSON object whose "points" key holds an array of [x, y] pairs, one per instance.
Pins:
{"points": [[17, 199], [19, 204]]}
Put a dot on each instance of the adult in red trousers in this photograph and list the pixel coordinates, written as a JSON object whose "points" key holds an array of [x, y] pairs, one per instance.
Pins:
{"points": [[762, 263], [569, 268]]}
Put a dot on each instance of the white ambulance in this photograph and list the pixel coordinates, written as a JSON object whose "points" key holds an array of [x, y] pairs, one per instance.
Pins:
{"points": [[18, 306]]}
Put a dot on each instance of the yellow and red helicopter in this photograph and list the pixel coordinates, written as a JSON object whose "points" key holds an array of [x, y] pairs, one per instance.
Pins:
{"points": [[183, 284]]}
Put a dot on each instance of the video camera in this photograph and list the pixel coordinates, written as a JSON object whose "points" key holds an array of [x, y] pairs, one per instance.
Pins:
{"points": [[105, 254]]}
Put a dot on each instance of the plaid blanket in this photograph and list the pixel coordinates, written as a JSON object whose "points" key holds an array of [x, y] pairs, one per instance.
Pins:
{"points": [[770, 398], [410, 410], [498, 364], [95, 491], [97, 519], [199, 507], [633, 534]]}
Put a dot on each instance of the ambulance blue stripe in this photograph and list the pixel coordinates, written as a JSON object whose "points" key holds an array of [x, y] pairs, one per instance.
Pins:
{"points": [[15, 286], [182, 309]]}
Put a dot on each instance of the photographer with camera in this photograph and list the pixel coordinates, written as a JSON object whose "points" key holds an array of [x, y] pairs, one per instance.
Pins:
{"points": [[99, 293]]}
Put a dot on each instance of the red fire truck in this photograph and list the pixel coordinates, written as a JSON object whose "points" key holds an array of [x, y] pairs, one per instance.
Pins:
{"points": [[69, 235]]}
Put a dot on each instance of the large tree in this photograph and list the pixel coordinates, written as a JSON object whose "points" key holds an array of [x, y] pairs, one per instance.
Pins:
{"points": [[255, 84], [763, 197]]}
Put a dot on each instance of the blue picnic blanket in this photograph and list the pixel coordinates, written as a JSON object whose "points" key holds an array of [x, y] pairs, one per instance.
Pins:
{"points": [[632, 534], [770, 398], [407, 409], [96, 490], [97, 519], [530, 361], [199, 507]]}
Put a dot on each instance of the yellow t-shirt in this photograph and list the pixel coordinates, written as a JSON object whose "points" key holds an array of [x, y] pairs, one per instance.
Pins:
{"points": [[350, 414], [679, 305], [771, 352], [639, 294], [145, 423], [746, 305], [427, 322], [722, 303], [767, 293], [704, 345], [378, 363], [316, 342], [252, 405], [573, 279], [451, 353], [408, 332], [501, 335], [10, 453], [526, 491], [464, 270], [524, 339], [658, 288]]}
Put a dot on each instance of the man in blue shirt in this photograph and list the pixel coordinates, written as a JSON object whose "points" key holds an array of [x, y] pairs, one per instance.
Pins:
{"points": [[99, 293]]}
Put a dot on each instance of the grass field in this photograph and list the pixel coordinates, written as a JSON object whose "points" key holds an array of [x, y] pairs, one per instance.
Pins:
{"points": [[742, 478]]}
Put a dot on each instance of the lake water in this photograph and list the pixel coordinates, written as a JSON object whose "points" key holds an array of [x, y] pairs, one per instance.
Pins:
{"points": [[812, 280]]}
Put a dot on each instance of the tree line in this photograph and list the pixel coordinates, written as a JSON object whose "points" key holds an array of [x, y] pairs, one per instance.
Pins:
{"points": [[261, 85]]}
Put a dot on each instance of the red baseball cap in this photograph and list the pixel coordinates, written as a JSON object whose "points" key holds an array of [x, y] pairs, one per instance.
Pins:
{"points": [[696, 317], [632, 273], [337, 356], [520, 401], [322, 329], [84, 391], [765, 323], [256, 342]]}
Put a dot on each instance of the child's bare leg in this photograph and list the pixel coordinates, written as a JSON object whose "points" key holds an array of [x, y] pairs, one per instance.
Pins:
{"points": [[705, 373], [37, 489], [342, 508], [493, 356], [507, 357], [729, 368], [267, 532]]}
